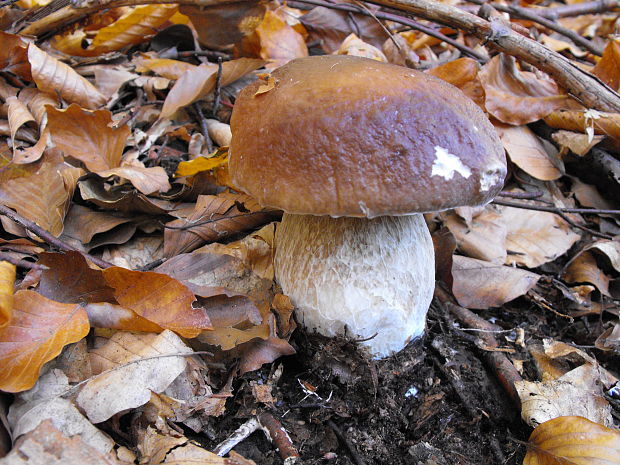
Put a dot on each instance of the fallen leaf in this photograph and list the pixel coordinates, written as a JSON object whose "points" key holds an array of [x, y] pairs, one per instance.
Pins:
{"points": [[191, 454], [607, 124], [36, 102], [573, 440], [7, 281], [170, 69], [18, 114], [199, 164], [39, 330], [528, 152], [45, 402], [43, 197], [354, 46], [584, 269], [479, 284], [87, 136], [83, 224], [123, 381], [154, 445], [158, 298], [14, 55], [519, 97], [577, 143], [608, 68], [462, 73], [53, 76], [146, 180], [196, 83], [279, 42], [610, 249], [214, 218], [47, 445]]}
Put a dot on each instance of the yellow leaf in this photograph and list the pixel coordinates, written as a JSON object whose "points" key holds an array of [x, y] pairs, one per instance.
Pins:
{"points": [[573, 441], [7, 281], [189, 168]]}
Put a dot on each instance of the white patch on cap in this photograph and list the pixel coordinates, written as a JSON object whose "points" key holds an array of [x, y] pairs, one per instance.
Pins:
{"points": [[446, 164], [490, 178]]}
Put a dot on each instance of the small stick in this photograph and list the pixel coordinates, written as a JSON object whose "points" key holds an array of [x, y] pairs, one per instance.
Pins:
{"points": [[354, 455], [520, 195], [239, 435], [556, 209], [205, 53], [47, 236], [217, 94], [276, 433], [5, 257], [204, 130]]}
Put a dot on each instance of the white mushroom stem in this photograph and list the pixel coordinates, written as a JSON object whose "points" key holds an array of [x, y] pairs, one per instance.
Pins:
{"points": [[358, 277]]}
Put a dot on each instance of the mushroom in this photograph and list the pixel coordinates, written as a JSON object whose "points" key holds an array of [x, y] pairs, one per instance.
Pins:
{"points": [[354, 151]]}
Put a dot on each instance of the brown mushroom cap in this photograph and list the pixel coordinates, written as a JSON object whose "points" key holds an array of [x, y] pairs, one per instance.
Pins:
{"points": [[349, 136]]}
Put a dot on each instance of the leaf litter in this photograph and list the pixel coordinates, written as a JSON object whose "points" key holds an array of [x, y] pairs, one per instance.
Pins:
{"points": [[172, 335]]}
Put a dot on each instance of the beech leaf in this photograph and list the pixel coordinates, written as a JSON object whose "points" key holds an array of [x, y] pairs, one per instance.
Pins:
{"points": [[7, 281], [39, 330]]}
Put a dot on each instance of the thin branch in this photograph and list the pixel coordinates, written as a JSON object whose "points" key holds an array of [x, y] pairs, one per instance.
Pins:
{"points": [[520, 195], [531, 15], [397, 19], [48, 237], [542, 208], [5, 257], [340, 435], [203, 53], [578, 9], [583, 86], [204, 130], [217, 93], [215, 220]]}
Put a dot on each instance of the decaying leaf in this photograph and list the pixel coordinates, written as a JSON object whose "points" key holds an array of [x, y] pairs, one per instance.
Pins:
{"points": [[88, 136], [573, 440], [278, 41], [53, 76], [158, 298], [480, 284], [608, 69], [584, 269], [7, 281], [123, 380], [14, 55], [39, 330], [146, 180], [354, 46], [199, 164]]}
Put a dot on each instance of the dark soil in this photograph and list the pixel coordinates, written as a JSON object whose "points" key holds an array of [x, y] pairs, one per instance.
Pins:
{"points": [[434, 403]]}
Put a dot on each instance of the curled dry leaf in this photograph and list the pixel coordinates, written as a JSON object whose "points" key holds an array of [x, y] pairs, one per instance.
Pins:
{"points": [[479, 284], [124, 381], [43, 197], [14, 55], [53, 76], [214, 218], [31, 154], [146, 180], [584, 269], [18, 114], [7, 281], [573, 440], [607, 124], [610, 249], [575, 142], [196, 83], [277, 41], [158, 298], [87, 136], [83, 224], [608, 69], [36, 102], [170, 69], [528, 152], [355, 46], [39, 330], [519, 97]]}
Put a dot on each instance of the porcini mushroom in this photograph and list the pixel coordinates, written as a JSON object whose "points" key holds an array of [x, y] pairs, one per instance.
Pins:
{"points": [[354, 150]]}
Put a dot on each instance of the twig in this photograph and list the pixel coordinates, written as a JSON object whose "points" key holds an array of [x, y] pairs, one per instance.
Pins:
{"points": [[236, 437], [504, 370], [7, 3], [397, 19], [214, 220], [279, 437], [204, 129], [47, 236], [5, 257], [217, 93], [529, 14], [583, 86], [542, 208], [203, 53], [354, 455], [578, 9], [520, 195]]}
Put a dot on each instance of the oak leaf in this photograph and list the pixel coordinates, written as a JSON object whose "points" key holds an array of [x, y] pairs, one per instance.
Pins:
{"points": [[39, 330]]}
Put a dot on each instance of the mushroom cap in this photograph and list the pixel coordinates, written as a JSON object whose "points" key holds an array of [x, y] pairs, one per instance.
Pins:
{"points": [[349, 136]]}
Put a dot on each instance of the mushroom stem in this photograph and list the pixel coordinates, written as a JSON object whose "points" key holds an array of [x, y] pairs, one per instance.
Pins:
{"points": [[358, 277]]}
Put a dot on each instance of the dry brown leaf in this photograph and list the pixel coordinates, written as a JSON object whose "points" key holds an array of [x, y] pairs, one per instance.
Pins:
{"points": [[610, 249], [122, 385], [196, 83], [87, 136], [573, 440], [354, 46], [584, 269], [575, 142], [462, 73], [608, 69], [111, 316], [18, 114], [39, 330], [135, 27], [535, 237], [519, 97], [7, 281], [53, 76], [83, 224], [214, 218], [14, 55], [36, 102], [557, 44], [146, 180], [45, 444], [480, 284], [170, 69], [43, 197], [154, 445], [528, 152], [278, 42], [191, 454], [589, 196], [31, 154], [158, 298], [607, 124]]}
